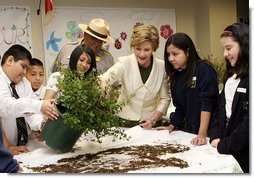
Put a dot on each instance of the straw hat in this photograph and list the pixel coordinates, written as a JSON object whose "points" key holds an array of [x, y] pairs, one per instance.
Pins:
{"points": [[99, 29]]}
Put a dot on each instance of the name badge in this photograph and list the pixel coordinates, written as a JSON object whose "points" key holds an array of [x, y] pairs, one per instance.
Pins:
{"points": [[241, 90]]}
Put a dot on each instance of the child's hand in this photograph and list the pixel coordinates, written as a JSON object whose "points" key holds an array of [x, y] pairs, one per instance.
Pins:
{"points": [[38, 136], [215, 142], [48, 109], [43, 122], [199, 140], [15, 150]]}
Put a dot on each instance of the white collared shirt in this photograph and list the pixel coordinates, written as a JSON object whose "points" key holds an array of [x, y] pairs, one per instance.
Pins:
{"points": [[40, 93], [10, 108], [52, 82], [230, 89]]}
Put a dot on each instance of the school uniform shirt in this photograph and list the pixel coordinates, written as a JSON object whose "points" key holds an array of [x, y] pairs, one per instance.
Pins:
{"points": [[230, 89], [190, 101], [40, 93], [52, 82], [7, 163], [104, 59], [148, 97], [234, 131], [11, 108]]}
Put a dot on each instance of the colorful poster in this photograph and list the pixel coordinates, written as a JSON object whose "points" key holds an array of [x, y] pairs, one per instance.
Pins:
{"points": [[15, 27], [64, 28]]}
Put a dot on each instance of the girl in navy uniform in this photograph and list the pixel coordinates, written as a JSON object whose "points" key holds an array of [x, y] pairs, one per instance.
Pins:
{"points": [[231, 128], [194, 88]]}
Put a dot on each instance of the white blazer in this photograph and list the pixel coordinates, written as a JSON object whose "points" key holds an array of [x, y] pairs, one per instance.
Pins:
{"points": [[149, 97]]}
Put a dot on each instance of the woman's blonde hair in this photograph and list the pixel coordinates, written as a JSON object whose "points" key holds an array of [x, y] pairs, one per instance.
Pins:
{"points": [[144, 33]]}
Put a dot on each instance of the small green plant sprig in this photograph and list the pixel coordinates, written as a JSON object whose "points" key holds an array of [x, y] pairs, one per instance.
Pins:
{"points": [[220, 67], [88, 106]]}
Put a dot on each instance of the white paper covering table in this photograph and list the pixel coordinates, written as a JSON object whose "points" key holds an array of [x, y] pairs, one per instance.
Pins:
{"points": [[201, 159]]}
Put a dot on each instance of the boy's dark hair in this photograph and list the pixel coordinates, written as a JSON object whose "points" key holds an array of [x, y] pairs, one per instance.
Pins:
{"points": [[36, 62], [18, 52]]}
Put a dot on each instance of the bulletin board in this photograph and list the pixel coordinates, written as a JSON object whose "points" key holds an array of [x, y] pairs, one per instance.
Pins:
{"points": [[15, 27], [63, 28]]}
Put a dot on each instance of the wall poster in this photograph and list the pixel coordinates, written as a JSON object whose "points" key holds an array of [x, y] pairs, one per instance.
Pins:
{"points": [[15, 27], [63, 28]]}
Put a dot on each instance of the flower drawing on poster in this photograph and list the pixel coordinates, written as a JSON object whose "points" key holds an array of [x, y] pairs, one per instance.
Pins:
{"points": [[166, 31], [138, 24], [52, 42], [15, 27], [74, 33], [118, 41]]}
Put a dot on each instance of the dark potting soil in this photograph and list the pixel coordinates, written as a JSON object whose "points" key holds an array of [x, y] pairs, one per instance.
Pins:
{"points": [[119, 160]]}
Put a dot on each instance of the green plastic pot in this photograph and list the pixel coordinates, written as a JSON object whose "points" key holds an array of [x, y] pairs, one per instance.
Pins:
{"points": [[59, 135]]}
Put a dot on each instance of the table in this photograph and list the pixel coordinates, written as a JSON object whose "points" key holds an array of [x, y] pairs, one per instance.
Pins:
{"points": [[200, 159]]}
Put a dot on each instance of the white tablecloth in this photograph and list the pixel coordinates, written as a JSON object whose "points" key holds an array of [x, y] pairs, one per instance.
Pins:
{"points": [[201, 159]]}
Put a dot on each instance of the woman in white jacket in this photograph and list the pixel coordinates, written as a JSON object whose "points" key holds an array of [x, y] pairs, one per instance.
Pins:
{"points": [[143, 79]]}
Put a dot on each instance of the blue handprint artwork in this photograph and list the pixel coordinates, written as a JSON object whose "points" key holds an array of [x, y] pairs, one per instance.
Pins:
{"points": [[53, 42]]}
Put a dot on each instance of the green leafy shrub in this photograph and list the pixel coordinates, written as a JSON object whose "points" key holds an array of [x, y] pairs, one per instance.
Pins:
{"points": [[88, 106], [220, 67]]}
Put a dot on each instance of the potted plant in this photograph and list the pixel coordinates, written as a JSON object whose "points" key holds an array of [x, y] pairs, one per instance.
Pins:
{"points": [[84, 107]]}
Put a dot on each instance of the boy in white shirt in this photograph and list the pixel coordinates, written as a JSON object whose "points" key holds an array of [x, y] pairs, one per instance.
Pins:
{"points": [[14, 63], [35, 75]]}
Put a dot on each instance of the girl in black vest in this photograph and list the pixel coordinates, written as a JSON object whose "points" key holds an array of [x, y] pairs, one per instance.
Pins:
{"points": [[193, 86], [231, 128]]}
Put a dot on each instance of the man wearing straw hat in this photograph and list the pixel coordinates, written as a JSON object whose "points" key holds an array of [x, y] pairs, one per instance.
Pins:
{"points": [[95, 34]]}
